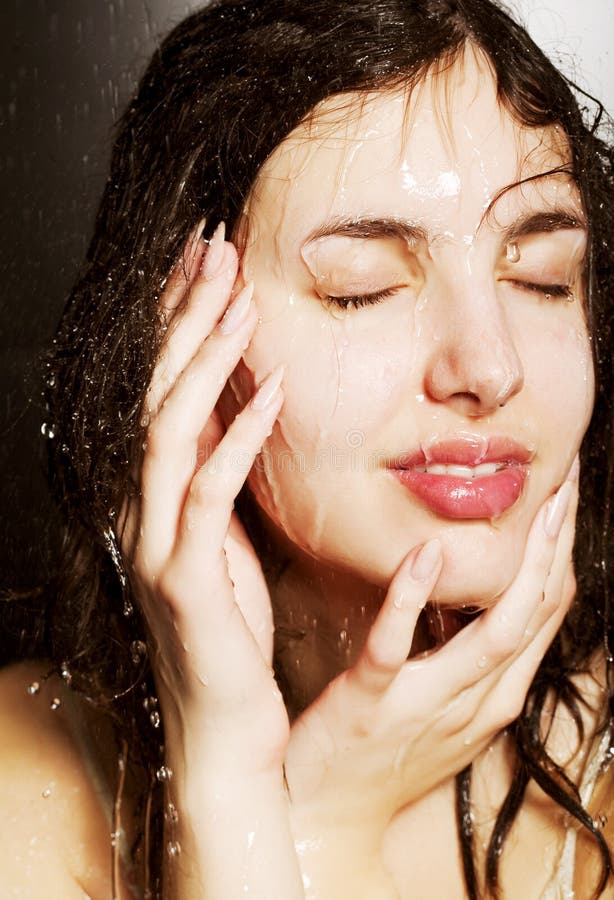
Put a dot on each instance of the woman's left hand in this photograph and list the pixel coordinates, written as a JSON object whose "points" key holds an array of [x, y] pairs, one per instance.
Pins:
{"points": [[387, 731]]}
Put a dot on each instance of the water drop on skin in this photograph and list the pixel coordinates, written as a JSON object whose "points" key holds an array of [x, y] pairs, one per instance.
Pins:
{"points": [[482, 661], [512, 252], [55, 703], [34, 688]]}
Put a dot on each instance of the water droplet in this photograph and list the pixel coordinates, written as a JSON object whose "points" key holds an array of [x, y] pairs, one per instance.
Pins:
{"points": [[46, 793], [482, 662], [33, 688], [47, 431], [154, 718], [173, 848], [171, 815], [66, 673], [55, 703], [138, 649], [164, 773], [128, 609], [512, 252]]}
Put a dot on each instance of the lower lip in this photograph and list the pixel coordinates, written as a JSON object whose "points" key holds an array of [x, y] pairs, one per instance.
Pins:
{"points": [[466, 498]]}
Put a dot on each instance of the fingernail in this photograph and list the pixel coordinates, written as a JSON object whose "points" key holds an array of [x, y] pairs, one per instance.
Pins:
{"points": [[267, 392], [555, 513], [426, 561], [574, 472], [237, 312], [215, 253]]}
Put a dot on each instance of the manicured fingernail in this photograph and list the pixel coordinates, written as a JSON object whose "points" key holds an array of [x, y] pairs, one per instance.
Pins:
{"points": [[237, 312], [215, 253], [426, 561], [574, 471], [267, 392], [555, 513]]}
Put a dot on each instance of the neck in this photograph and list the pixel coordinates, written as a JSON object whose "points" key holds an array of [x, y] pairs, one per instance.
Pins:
{"points": [[322, 614]]}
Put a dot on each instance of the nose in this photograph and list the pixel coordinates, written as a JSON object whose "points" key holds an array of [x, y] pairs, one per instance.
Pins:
{"points": [[473, 364]]}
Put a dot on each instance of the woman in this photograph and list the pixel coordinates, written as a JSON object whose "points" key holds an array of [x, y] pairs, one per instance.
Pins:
{"points": [[390, 358]]}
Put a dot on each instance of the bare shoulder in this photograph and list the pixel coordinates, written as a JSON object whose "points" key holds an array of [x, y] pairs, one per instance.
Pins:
{"points": [[55, 832]]}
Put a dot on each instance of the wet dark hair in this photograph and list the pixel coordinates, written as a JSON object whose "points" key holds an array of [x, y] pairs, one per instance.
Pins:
{"points": [[221, 92]]}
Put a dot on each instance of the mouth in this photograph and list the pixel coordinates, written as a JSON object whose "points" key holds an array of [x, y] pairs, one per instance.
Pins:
{"points": [[467, 476]]}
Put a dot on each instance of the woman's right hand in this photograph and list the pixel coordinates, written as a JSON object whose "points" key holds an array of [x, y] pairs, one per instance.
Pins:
{"points": [[203, 594]]}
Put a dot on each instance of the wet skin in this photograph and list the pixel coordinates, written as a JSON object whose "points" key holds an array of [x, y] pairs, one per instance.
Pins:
{"points": [[460, 328]]}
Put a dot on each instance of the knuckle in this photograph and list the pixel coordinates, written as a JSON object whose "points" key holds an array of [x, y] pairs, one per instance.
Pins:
{"points": [[502, 643], [377, 656], [509, 710]]}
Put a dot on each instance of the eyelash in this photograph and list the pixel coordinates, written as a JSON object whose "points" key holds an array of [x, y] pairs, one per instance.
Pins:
{"points": [[361, 299]]}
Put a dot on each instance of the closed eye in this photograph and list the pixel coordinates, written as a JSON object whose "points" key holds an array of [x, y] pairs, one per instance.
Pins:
{"points": [[358, 300], [548, 290]]}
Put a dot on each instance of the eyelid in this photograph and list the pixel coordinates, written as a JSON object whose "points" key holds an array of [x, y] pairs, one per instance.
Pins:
{"points": [[551, 290], [359, 300]]}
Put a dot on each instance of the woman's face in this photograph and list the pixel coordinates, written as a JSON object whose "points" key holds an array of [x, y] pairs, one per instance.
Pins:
{"points": [[448, 398]]}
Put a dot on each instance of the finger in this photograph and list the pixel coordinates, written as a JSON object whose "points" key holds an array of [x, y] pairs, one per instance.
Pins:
{"points": [[495, 637], [505, 700], [554, 591], [182, 274], [172, 444], [390, 638], [215, 486], [210, 289]]}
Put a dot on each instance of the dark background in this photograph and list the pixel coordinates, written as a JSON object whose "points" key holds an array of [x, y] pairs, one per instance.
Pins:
{"points": [[67, 67]]}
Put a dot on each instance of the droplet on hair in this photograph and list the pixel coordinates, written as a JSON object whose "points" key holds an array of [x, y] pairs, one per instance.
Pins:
{"points": [[512, 252], [164, 774], [170, 814], [55, 703], [66, 673], [154, 718], [34, 688], [137, 651], [173, 848]]}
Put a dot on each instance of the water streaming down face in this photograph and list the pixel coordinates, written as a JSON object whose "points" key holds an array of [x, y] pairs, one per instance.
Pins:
{"points": [[413, 327]]}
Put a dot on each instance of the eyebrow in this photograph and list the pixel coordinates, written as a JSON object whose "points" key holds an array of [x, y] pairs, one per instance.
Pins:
{"points": [[365, 227], [555, 219], [543, 222]]}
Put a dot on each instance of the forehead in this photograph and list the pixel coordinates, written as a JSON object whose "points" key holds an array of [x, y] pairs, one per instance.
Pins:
{"points": [[441, 152]]}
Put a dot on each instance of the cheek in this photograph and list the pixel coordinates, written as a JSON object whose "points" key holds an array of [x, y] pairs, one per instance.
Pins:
{"points": [[343, 372], [561, 367]]}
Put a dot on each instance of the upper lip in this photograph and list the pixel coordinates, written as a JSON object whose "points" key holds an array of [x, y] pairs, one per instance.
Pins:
{"points": [[466, 450]]}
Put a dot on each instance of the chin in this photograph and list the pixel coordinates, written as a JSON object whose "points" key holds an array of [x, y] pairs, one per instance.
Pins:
{"points": [[476, 573]]}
